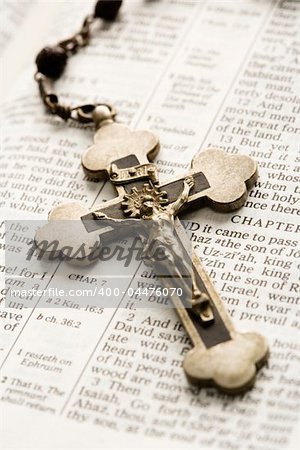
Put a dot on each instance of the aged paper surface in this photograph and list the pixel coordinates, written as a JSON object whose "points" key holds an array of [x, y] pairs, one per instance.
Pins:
{"points": [[199, 74]]}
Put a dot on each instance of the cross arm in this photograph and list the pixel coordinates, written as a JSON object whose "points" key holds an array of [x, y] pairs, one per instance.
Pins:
{"points": [[220, 181], [113, 208]]}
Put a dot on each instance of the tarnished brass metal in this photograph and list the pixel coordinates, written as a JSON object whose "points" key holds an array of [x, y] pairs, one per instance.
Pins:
{"points": [[141, 172], [134, 203], [221, 356], [115, 142], [149, 204]]}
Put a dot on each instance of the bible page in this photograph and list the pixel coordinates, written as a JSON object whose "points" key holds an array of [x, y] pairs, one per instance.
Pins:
{"points": [[199, 74]]}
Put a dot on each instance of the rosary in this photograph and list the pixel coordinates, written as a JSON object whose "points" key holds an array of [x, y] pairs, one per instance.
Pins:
{"points": [[220, 356]]}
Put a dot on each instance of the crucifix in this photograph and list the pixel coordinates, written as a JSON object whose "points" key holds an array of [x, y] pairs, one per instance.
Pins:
{"points": [[220, 356]]}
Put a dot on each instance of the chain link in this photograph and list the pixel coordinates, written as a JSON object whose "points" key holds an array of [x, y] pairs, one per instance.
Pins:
{"points": [[82, 113]]}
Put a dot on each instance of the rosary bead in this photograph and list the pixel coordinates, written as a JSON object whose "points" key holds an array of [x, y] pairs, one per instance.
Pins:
{"points": [[107, 9], [51, 61]]}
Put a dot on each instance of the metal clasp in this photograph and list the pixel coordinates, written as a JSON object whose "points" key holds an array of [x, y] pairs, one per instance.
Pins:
{"points": [[90, 113]]}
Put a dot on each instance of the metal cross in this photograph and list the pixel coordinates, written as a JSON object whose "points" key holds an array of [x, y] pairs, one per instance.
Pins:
{"points": [[220, 355]]}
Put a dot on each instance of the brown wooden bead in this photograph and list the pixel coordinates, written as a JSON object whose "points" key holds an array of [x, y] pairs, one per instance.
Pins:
{"points": [[51, 61], [107, 9]]}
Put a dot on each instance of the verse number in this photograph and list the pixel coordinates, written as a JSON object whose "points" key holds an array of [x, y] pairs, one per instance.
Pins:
{"points": [[71, 323], [227, 139]]}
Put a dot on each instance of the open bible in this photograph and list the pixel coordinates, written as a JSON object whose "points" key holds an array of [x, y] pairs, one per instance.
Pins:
{"points": [[199, 74]]}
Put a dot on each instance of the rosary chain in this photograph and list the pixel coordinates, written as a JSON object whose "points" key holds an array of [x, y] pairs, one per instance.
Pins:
{"points": [[80, 39], [51, 62]]}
